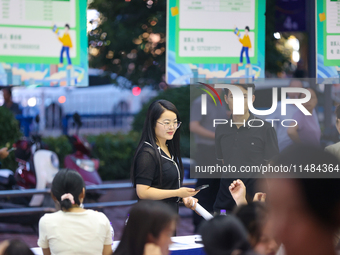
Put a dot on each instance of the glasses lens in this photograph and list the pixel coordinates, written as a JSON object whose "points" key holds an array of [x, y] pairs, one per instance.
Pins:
{"points": [[175, 125]]}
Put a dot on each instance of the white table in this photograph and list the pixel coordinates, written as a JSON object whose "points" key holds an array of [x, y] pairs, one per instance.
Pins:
{"points": [[180, 243]]}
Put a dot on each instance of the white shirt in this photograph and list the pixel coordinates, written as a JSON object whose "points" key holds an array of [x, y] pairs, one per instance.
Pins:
{"points": [[74, 233]]}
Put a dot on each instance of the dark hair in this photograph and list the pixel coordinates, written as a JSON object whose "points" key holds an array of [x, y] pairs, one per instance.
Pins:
{"points": [[146, 217], [337, 112], [253, 217], [322, 196], [155, 110], [67, 25], [223, 235], [16, 247], [67, 181], [247, 28], [8, 89], [245, 86]]}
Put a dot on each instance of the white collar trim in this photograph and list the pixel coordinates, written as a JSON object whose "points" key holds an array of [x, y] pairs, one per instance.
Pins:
{"points": [[159, 149]]}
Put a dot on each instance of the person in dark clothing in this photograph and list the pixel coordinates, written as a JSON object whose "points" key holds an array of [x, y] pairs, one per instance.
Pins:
{"points": [[8, 102], [244, 141], [157, 170], [204, 132]]}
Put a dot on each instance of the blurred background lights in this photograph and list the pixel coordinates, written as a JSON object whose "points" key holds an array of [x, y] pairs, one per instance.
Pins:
{"points": [[277, 35], [136, 91], [296, 56], [32, 102], [294, 42], [62, 99]]}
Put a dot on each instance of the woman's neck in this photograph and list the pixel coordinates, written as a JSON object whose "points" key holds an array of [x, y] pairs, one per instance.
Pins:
{"points": [[75, 208], [161, 143]]}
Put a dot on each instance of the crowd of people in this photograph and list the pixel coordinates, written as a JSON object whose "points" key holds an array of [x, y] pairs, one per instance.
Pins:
{"points": [[266, 217], [294, 216]]}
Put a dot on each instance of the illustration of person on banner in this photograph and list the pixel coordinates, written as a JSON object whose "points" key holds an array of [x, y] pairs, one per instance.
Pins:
{"points": [[67, 44], [246, 45]]}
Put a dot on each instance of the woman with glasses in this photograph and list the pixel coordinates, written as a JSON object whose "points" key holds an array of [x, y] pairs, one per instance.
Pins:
{"points": [[157, 170]]}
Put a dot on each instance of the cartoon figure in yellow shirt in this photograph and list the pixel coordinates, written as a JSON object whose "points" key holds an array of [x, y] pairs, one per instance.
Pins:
{"points": [[246, 45], [67, 44]]}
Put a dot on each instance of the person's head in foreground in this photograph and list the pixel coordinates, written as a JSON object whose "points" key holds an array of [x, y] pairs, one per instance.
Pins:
{"points": [[254, 217], [14, 247], [68, 188], [305, 212], [225, 235], [150, 227], [337, 113]]}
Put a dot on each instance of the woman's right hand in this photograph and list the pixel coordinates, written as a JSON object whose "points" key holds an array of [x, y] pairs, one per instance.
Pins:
{"points": [[186, 192]]}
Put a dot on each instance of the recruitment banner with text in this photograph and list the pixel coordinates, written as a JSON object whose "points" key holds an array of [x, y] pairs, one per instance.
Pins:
{"points": [[328, 38], [43, 43], [215, 39]]}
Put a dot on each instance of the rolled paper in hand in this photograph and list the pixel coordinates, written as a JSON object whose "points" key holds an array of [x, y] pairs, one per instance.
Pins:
{"points": [[204, 213]]}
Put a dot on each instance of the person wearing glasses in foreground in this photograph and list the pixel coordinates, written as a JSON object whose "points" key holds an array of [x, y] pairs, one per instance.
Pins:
{"points": [[157, 170]]}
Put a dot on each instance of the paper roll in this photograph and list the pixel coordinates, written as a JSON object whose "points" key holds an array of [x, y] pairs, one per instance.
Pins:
{"points": [[204, 213]]}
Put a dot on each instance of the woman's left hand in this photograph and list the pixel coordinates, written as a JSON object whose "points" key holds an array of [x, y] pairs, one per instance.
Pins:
{"points": [[190, 202]]}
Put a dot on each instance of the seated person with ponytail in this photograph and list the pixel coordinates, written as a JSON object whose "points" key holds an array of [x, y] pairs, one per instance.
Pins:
{"points": [[73, 230]]}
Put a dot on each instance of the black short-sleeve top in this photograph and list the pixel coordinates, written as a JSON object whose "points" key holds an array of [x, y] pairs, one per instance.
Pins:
{"points": [[146, 170], [247, 145]]}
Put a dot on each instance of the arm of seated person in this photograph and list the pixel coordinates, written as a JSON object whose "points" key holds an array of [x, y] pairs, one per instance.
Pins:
{"points": [[147, 192], [238, 191], [46, 251], [107, 250]]}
